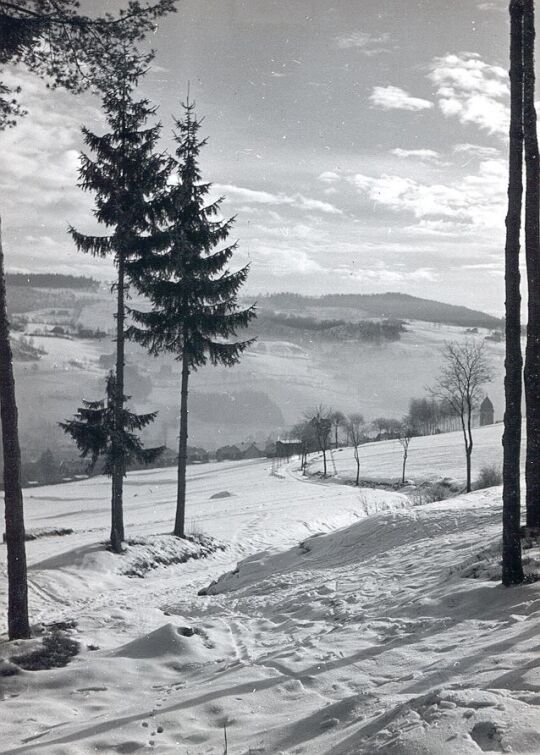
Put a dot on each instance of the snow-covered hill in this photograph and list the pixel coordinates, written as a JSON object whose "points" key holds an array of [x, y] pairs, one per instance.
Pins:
{"points": [[337, 620]]}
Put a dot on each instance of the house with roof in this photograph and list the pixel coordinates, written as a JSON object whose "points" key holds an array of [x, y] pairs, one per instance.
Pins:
{"points": [[487, 412]]}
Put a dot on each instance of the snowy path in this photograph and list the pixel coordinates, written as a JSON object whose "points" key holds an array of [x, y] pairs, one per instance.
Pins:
{"points": [[366, 638]]}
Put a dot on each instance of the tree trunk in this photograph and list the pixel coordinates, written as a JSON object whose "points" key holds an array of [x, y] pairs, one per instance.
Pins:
{"points": [[468, 452], [324, 462], [512, 570], [469, 445], [180, 520], [118, 471], [18, 623], [404, 465], [357, 458], [532, 255], [467, 457]]}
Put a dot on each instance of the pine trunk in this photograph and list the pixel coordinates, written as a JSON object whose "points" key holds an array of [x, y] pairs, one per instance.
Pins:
{"points": [[18, 623], [180, 520], [118, 471], [512, 570], [532, 255]]}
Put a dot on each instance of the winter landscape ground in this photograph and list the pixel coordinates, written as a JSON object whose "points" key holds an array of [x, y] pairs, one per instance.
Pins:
{"points": [[336, 620]]}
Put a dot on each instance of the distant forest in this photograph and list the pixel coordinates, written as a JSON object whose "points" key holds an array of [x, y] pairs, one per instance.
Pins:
{"points": [[52, 280], [390, 306], [288, 326]]}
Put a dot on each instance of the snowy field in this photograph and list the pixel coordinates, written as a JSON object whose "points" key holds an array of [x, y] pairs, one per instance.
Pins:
{"points": [[337, 620], [431, 457]]}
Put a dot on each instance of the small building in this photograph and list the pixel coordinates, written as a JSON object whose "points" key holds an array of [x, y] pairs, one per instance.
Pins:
{"points": [[487, 412], [287, 448], [228, 453], [250, 451], [197, 455]]}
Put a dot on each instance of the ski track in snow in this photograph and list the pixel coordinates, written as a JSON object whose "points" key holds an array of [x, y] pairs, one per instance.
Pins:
{"points": [[337, 621]]}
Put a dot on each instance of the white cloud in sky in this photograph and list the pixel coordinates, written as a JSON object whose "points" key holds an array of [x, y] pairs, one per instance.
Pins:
{"points": [[297, 200], [476, 200], [367, 44], [471, 90], [428, 155], [387, 276], [395, 98], [476, 150], [329, 177]]}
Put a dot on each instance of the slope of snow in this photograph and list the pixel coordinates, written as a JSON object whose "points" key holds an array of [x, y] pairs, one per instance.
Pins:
{"points": [[430, 457], [335, 621]]}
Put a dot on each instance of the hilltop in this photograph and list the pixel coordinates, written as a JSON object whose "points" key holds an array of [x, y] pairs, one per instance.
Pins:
{"points": [[390, 305]]}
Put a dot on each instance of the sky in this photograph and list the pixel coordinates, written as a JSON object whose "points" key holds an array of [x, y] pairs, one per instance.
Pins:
{"points": [[361, 145]]}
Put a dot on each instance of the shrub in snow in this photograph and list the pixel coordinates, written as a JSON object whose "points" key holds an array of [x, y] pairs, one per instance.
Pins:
{"points": [[489, 477], [145, 554], [431, 492], [56, 650]]}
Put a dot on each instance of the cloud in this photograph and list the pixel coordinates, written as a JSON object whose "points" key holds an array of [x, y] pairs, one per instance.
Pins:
{"points": [[381, 274], [492, 6], [367, 44], [329, 177], [428, 155], [298, 201], [288, 261], [477, 150], [395, 98], [471, 90], [470, 202]]}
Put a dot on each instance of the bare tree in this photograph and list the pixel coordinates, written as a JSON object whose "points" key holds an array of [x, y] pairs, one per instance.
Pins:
{"points": [[405, 435], [355, 427], [464, 371], [338, 421], [320, 420], [512, 569], [304, 432]]}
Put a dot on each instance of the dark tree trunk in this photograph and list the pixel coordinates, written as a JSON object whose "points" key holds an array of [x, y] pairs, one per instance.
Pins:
{"points": [[532, 255], [469, 446], [467, 453], [404, 465], [18, 623], [118, 471], [512, 570], [357, 459], [180, 520], [324, 462]]}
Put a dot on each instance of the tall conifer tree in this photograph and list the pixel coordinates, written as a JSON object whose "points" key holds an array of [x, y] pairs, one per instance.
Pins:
{"points": [[127, 178], [193, 293]]}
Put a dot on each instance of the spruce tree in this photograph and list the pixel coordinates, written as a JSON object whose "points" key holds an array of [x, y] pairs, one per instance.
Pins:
{"points": [[127, 178], [93, 430], [195, 311]]}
